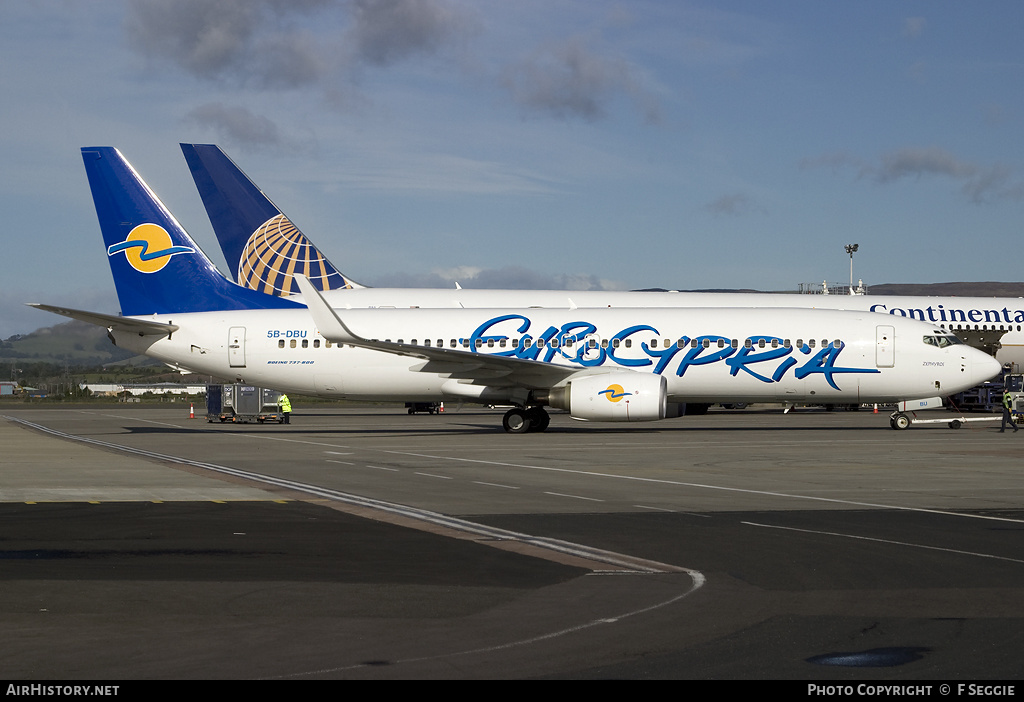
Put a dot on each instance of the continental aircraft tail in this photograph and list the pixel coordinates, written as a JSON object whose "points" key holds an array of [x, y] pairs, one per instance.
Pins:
{"points": [[258, 240], [157, 267]]}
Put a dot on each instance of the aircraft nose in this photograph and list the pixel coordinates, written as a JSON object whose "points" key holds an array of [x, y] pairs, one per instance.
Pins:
{"points": [[981, 366]]}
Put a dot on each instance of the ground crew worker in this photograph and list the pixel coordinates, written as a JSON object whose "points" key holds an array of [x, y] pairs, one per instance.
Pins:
{"points": [[286, 408], [1007, 414]]}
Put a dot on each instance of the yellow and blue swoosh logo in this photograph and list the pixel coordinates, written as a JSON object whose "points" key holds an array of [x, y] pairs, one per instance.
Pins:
{"points": [[614, 393], [148, 248]]}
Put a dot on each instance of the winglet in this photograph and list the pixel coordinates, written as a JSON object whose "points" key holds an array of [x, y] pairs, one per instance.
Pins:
{"points": [[325, 318]]}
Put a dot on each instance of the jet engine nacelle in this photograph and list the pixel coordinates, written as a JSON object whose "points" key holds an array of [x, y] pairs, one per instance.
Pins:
{"points": [[617, 397]]}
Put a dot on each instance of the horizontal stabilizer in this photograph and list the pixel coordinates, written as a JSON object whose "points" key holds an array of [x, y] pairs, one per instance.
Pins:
{"points": [[110, 321]]}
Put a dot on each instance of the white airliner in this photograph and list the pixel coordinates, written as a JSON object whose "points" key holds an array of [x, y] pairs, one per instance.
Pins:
{"points": [[266, 249], [601, 364]]}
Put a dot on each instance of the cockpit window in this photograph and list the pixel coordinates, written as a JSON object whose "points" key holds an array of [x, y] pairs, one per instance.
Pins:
{"points": [[941, 340]]}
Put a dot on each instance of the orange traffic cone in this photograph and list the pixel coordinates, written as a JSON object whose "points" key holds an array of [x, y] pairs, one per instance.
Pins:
{"points": [[191, 411]]}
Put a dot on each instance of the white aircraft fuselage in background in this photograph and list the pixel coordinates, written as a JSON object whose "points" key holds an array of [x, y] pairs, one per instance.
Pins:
{"points": [[965, 316], [266, 250]]}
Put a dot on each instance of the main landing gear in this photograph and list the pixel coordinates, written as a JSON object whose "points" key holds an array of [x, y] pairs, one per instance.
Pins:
{"points": [[520, 421]]}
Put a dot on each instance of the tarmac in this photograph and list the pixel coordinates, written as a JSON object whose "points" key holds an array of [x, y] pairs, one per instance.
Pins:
{"points": [[139, 544]]}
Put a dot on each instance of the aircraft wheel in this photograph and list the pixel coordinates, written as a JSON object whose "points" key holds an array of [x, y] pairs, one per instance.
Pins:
{"points": [[900, 421], [516, 421], [539, 418]]}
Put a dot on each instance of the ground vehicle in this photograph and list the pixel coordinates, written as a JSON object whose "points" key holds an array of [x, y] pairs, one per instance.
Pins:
{"points": [[242, 403], [428, 407]]}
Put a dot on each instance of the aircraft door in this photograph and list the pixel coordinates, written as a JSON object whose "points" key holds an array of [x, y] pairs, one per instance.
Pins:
{"points": [[236, 347], [885, 346]]}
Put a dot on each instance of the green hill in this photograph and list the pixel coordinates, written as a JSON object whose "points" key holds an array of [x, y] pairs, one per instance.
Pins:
{"points": [[73, 343]]}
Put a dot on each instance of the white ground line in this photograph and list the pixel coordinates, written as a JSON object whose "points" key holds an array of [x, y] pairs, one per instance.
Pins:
{"points": [[886, 541], [704, 486]]}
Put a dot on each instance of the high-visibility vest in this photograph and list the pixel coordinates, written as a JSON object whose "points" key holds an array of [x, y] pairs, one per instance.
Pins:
{"points": [[284, 403]]}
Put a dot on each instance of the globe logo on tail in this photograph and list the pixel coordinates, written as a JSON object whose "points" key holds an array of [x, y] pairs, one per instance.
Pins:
{"points": [[148, 248], [277, 251]]}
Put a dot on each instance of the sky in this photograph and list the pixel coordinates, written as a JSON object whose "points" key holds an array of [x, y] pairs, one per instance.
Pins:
{"points": [[580, 144]]}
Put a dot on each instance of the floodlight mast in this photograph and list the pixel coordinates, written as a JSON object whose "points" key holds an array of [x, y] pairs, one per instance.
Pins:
{"points": [[852, 249]]}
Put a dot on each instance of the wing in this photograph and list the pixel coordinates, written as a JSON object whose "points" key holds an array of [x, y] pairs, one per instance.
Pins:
{"points": [[467, 366]]}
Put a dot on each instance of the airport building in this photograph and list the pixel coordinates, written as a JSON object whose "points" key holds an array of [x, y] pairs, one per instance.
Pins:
{"points": [[139, 389]]}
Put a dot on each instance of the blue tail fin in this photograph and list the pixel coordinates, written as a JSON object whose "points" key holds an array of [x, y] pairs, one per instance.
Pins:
{"points": [[157, 267], [262, 244]]}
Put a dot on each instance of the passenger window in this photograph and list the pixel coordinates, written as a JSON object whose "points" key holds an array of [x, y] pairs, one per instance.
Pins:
{"points": [[748, 344], [707, 343], [316, 343], [305, 343], [292, 344]]}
